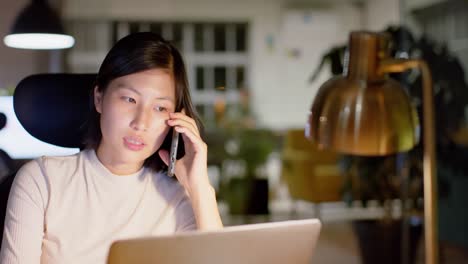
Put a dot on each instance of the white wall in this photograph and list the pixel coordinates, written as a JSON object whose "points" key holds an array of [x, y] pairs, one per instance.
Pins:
{"points": [[304, 36], [381, 13]]}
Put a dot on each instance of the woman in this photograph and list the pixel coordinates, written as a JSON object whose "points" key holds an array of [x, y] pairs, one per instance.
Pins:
{"points": [[70, 209]]}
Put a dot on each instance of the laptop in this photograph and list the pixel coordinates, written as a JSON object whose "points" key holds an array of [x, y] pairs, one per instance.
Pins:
{"points": [[273, 243]]}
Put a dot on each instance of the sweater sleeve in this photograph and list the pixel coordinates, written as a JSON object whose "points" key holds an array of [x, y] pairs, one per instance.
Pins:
{"points": [[24, 221], [185, 217]]}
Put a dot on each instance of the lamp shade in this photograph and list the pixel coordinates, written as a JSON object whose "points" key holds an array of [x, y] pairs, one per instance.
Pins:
{"points": [[363, 112], [38, 26]]}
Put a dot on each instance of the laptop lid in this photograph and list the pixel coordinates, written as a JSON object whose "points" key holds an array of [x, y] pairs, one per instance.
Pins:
{"points": [[276, 242]]}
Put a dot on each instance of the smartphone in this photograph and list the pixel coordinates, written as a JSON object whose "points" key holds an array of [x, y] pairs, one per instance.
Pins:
{"points": [[173, 152]]}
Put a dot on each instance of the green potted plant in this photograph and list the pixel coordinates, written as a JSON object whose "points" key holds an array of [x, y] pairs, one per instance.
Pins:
{"points": [[242, 149], [247, 190]]}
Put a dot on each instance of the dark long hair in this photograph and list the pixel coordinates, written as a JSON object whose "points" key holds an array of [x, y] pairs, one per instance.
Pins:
{"points": [[136, 53]]}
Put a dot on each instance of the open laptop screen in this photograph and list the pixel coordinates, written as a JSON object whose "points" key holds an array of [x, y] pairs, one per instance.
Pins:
{"points": [[278, 242]]}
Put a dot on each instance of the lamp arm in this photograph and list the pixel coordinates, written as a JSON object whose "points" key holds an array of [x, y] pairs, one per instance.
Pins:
{"points": [[397, 65], [429, 157]]}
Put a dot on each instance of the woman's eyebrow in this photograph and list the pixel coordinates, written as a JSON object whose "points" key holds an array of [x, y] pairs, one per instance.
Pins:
{"points": [[125, 86], [170, 98]]}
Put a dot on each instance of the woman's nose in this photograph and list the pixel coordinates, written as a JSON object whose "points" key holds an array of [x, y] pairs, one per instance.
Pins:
{"points": [[141, 120]]}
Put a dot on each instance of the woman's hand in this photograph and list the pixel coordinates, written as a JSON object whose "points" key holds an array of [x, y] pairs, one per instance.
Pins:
{"points": [[191, 170]]}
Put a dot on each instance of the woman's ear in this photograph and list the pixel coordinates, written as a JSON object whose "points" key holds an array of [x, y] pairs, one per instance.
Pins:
{"points": [[97, 99]]}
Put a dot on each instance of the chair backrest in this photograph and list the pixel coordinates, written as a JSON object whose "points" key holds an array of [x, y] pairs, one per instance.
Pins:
{"points": [[52, 108]]}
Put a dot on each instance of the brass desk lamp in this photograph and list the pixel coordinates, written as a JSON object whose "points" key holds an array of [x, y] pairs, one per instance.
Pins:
{"points": [[364, 112]]}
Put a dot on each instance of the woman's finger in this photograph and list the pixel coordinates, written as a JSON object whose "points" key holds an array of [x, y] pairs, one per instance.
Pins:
{"points": [[195, 139], [184, 117], [183, 123]]}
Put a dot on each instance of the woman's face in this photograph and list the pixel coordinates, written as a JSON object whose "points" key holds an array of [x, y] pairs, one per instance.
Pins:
{"points": [[134, 110]]}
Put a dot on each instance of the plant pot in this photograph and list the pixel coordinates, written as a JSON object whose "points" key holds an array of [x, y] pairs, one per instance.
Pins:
{"points": [[380, 241], [247, 196]]}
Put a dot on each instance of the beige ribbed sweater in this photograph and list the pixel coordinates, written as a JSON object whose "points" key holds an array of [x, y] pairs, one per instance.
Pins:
{"points": [[70, 209]]}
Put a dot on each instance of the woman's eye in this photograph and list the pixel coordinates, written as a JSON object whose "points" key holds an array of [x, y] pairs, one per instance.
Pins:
{"points": [[128, 99], [161, 109]]}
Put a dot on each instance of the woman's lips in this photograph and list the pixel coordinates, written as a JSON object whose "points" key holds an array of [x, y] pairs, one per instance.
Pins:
{"points": [[133, 143]]}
